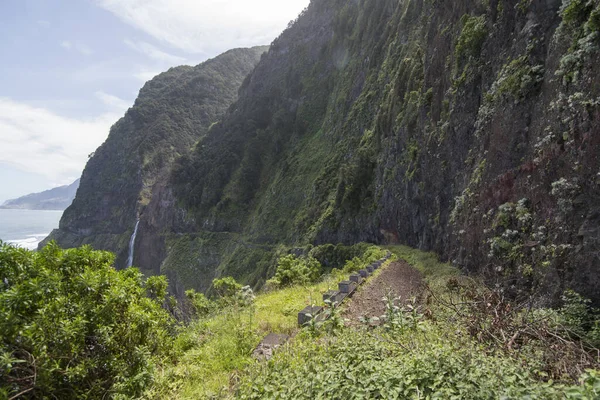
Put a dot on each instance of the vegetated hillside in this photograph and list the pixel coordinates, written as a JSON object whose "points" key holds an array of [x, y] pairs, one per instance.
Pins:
{"points": [[465, 127], [58, 198], [172, 111], [469, 128]]}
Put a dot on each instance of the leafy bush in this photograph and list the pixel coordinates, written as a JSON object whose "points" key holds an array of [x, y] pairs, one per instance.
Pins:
{"points": [[354, 265], [472, 36], [429, 365], [233, 293], [226, 287], [199, 305], [292, 270], [371, 254], [580, 319], [576, 11], [74, 327], [335, 256], [408, 356]]}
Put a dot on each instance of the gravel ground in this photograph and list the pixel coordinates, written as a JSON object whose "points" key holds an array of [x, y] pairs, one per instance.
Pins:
{"points": [[399, 278]]}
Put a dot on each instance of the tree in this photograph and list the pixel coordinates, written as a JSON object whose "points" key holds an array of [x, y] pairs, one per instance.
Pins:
{"points": [[74, 327]]}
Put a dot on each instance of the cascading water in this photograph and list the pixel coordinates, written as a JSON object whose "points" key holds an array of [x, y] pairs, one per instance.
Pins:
{"points": [[131, 244]]}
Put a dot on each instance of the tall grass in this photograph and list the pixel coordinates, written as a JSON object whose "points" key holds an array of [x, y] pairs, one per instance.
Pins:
{"points": [[213, 351]]}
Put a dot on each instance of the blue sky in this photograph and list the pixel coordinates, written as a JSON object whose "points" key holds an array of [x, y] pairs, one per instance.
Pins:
{"points": [[70, 69]]}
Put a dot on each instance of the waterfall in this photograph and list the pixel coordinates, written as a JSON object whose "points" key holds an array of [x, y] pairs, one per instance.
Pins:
{"points": [[131, 244]]}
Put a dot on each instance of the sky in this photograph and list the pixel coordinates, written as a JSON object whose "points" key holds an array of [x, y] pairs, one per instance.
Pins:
{"points": [[71, 68]]}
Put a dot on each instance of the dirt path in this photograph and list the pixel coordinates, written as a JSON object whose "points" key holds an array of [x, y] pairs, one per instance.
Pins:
{"points": [[399, 278]]}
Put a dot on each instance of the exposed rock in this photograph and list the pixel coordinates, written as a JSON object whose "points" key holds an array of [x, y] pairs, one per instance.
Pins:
{"points": [[266, 348], [464, 127]]}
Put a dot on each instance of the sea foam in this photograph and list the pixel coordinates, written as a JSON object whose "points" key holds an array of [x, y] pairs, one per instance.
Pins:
{"points": [[30, 242]]}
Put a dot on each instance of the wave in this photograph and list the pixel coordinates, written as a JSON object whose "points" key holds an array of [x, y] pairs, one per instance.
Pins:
{"points": [[30, 242]]}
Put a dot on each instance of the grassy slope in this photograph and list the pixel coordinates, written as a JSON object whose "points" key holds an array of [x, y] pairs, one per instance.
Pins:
{"points": [[422, 357], [215, 349]]}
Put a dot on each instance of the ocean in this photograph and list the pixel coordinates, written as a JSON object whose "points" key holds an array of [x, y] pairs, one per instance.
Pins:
{"points": [[27, 228]]}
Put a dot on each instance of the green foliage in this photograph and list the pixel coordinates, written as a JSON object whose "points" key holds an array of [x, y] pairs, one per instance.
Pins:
{"points": [[449, 355], [354, 265], [410, 354], [217, 346], [427, 262], [335, 256], [207, 352], [575, 12], [371, 254], [74, 327], [518, 79], [226, 287], [431, 364], [156, 287], [580, 24], [580, 319], [471, 39], [401, 318], [199, 304], [292, 270], [172, 112]]}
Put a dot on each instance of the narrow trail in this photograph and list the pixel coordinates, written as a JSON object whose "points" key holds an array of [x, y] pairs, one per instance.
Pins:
{"points": [[399, 278]]}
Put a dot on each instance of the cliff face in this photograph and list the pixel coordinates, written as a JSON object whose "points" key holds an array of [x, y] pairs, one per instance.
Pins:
{"points": [[171, 113], [58, 198], [467, 127]]}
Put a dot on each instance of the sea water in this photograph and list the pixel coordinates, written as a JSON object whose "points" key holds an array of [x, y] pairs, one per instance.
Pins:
{"points": [[27, 228]]}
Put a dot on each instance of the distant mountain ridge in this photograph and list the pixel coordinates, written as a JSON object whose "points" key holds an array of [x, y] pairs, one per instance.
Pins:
{"points": [[58, 198]]}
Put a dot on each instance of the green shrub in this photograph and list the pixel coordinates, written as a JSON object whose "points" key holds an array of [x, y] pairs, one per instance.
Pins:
{"points": [[226, 287], [335, 256], [472, 36], [426, 365], [74, 327], [292, 270], [200, 306], [354, 265], [575, 11], [371, 254], [518, 79], [580, 319]]}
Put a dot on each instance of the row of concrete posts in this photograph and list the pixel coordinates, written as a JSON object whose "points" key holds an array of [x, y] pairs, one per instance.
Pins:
{"points": [[345, 290]]}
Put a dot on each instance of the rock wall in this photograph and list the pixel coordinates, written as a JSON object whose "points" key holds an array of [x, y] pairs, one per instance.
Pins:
{"points": [[467, 127]]}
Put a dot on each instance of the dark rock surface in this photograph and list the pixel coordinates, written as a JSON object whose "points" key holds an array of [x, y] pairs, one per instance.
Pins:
{"points": [[469, 128]]}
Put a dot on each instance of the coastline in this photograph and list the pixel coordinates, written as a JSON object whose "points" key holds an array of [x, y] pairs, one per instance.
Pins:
{"points": [[27, 228]]}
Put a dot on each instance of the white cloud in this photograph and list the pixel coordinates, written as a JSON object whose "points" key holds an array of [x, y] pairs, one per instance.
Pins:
{"points": [[145, 75], [77, 46], [38, 140], [154, 52], [207, 26], [114, 102]]}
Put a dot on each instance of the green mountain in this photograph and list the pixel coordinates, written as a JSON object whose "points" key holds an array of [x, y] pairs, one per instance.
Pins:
{"points": [[468, 128], [57, 198], [171, 113]]}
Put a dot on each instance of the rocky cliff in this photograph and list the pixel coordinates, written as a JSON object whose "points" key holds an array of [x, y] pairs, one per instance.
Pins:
{"points": [[172, 112], [469, 127]]}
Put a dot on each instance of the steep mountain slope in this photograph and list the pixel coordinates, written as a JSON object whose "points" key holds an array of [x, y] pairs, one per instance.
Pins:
{"points": [[469, 127], [171, 113], [466, 127], [58, 198]]}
